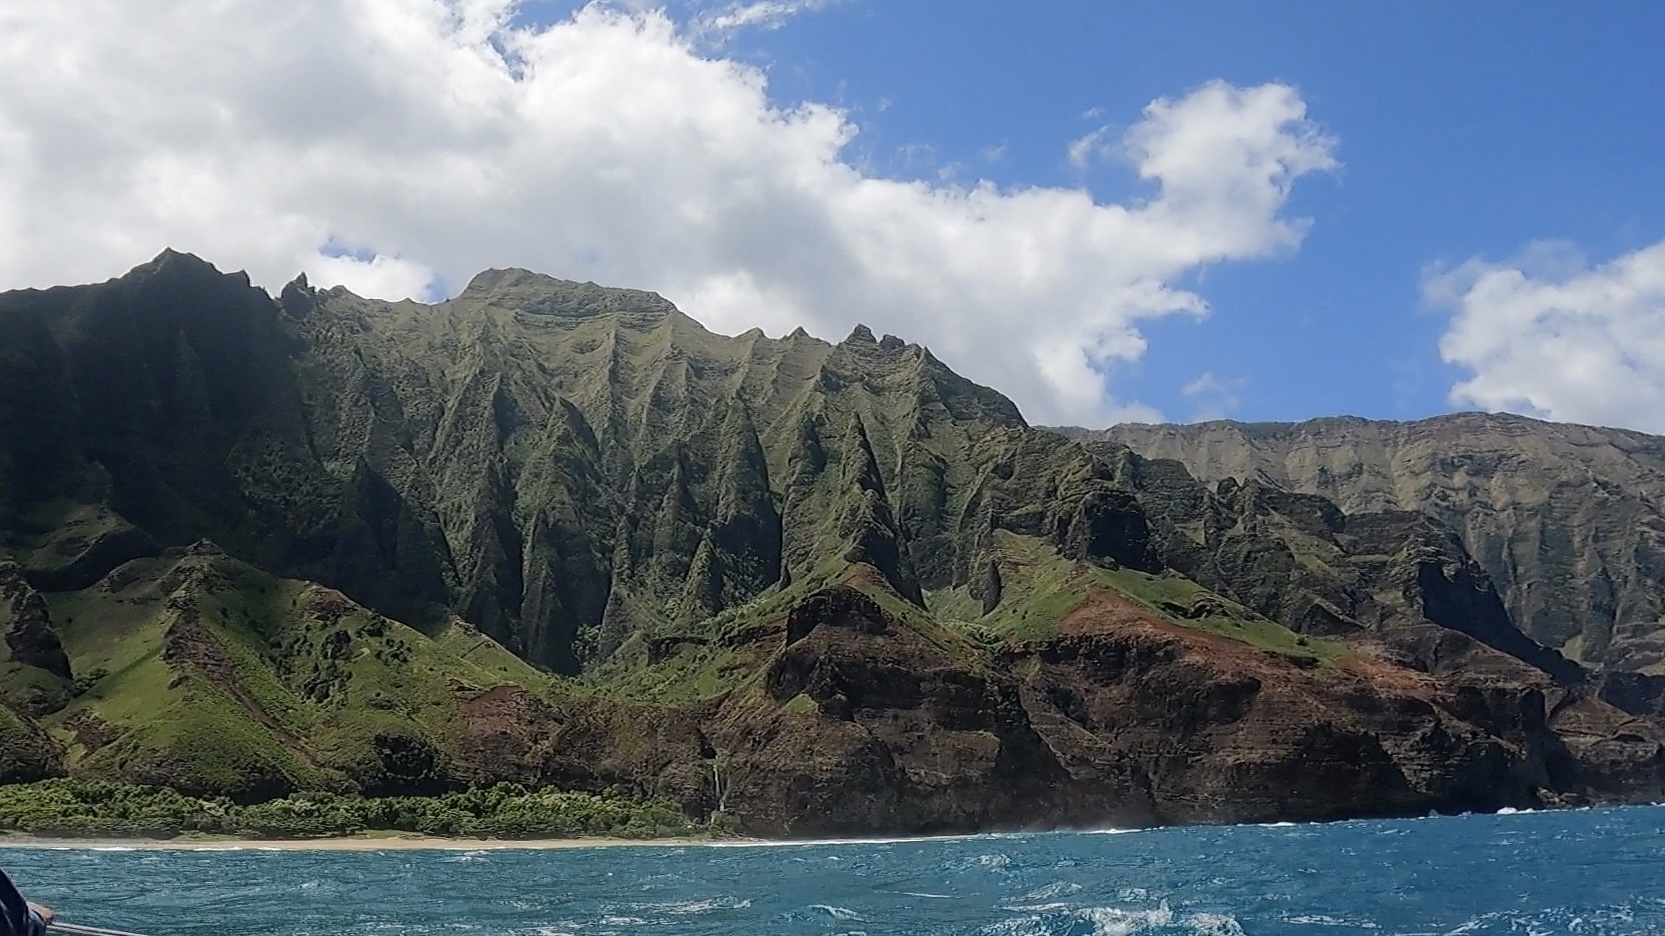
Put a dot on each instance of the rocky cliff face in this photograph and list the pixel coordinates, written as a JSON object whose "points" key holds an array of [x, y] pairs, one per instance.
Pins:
{"points": [[562, 534], [1566, 520]]}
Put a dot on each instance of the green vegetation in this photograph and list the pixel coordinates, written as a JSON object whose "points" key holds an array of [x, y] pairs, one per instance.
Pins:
{"points": [[1166, 594], [204, 673], [692, 671], [607, 492], [87, 808], [801, 704], [1040, 588]]}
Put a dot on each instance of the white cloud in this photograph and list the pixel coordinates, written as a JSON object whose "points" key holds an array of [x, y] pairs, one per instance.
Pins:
{"points": [[1549, 335], [1084, 151], [1213, 397], [759, 14], [435, 139]]}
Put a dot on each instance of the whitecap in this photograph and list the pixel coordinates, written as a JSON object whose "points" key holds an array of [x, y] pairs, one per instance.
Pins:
{"points": [[1055, 889], [1119, 921], [1321, 919], [991, 860], [835, 842], [475, 855], [1054, 907], [837, 913], [1114, 921], [690, 907], [1214, 924]]}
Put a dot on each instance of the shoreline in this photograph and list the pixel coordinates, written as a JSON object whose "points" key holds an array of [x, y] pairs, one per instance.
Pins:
{"points": [[349, 843]]}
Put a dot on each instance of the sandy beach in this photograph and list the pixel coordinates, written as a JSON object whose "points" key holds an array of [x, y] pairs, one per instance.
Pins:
{"points": [[344, 843]]}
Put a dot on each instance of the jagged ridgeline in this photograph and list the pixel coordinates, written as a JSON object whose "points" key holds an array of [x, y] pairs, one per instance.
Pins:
{"points": [[1567, 520], [556, 533], [565, 466]]}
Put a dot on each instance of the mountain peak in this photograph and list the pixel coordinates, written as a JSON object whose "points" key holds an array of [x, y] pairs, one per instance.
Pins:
{"points": [[496, 278], [861, 334], [173, 260], [540, 294]]}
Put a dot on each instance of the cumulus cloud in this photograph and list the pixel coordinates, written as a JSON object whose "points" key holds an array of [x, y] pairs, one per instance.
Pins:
{"points": [[1550, 335], [399, 146]]}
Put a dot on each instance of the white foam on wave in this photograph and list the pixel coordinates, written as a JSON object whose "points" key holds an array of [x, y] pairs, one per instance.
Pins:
{"points": [[1114, 921], [832, 842], [1056, 906], [1118, 921], [1321, 919], [1214, 924], [987, 861], [113, 848], [837, 913], [1052, 891], [692, 907]]}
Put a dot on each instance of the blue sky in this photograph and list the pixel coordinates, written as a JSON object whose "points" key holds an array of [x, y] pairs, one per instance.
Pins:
{"points": [[1487, 220], [1465, 129]]}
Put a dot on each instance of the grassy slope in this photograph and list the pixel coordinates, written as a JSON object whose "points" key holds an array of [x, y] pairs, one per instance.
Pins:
{"points": [[297, 684], [1040, 588]]}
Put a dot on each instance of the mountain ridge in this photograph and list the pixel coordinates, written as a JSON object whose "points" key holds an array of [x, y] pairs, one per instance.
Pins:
{"points": [[820, 588], [1566, 518]]}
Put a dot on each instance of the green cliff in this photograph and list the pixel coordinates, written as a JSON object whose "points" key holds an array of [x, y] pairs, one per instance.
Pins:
{"points": [[1567, 520], [562, 535]]}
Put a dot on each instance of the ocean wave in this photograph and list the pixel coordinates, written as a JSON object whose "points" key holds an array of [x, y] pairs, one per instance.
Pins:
{"points": [[1324, 919], [1117, 921], [692, 907], [837, 913], [1053, 890], [990, 861], [838, 842], [1477, 877]]}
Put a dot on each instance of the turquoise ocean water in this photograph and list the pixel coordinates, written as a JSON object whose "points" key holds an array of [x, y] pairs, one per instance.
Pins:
{"points": [[1591, 873]]}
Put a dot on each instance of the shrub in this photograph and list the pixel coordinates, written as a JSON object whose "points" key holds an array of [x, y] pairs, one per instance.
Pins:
{"points": [[92, 808]]}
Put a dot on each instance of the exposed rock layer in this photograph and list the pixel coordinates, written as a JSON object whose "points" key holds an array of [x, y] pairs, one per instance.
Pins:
{"points": [[262, 545], [1569, 521]]}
